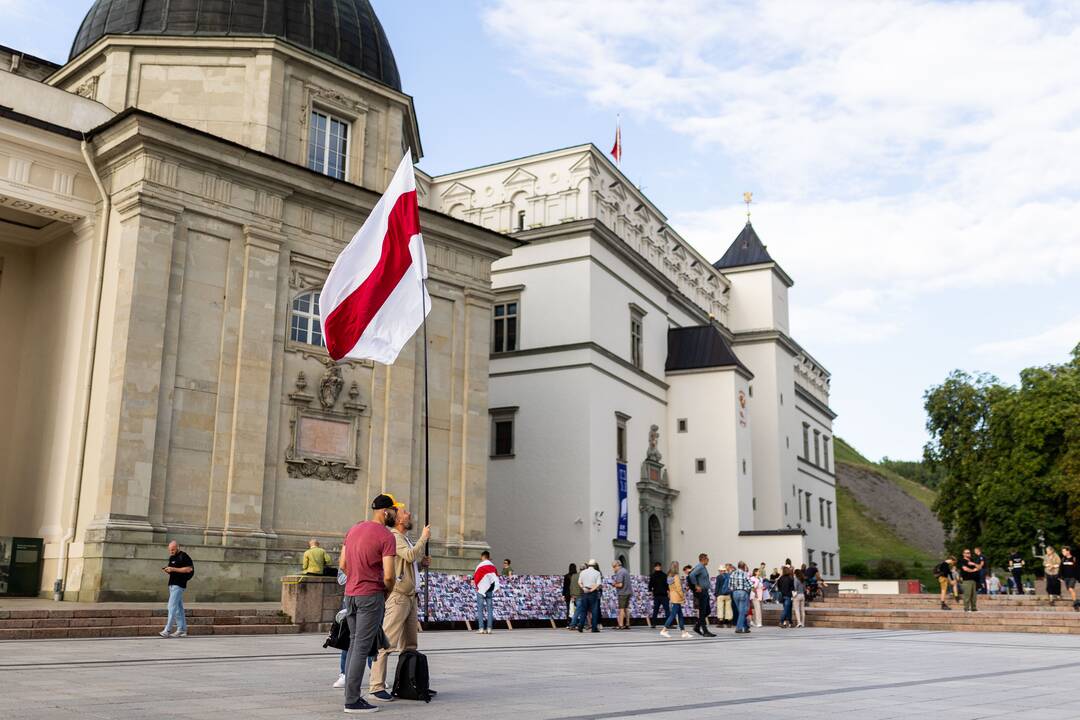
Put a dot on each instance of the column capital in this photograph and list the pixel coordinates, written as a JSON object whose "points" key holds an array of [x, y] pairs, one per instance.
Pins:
{"points": [[263, 237], [140, 201]]}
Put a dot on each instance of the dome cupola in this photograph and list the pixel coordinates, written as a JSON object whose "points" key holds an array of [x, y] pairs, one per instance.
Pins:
{"points": [[346, 32]]}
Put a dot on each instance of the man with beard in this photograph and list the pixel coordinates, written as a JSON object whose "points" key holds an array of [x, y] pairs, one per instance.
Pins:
{"points": [[369, 553], [401, 621]]}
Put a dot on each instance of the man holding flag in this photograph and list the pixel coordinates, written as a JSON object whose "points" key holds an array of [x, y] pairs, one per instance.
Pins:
{"points": [[372, 303]]}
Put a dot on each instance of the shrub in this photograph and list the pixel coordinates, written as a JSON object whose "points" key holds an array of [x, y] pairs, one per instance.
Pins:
{"points": [[858, 569], [889, 569]]}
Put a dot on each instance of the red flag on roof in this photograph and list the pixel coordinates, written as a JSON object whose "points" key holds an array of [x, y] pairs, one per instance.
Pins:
{"points": [[616, 149]]}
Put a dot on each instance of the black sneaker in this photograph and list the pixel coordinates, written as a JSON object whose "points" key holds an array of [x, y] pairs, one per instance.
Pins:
{"points": [[706, 633], [363, 706]]}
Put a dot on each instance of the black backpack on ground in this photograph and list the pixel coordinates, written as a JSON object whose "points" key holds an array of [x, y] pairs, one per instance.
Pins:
{"points": [[339, 636], [411, 681]]}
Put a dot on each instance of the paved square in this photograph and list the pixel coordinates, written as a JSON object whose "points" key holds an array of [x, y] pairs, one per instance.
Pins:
{"points": [[811, 673]]}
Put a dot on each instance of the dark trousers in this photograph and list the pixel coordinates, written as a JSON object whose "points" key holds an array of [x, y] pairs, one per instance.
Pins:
{"points": [[365, 617], [593, 607], [701, 600], [1018, 581], [657, 603], [741, 600], [785, 613]]}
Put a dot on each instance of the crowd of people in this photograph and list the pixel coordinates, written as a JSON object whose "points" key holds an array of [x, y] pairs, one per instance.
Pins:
{"points": [[739, 592], [380, 563], [972, 575]]}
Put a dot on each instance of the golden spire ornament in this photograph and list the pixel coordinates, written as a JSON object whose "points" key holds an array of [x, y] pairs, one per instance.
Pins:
{"points": [[748, 197]]}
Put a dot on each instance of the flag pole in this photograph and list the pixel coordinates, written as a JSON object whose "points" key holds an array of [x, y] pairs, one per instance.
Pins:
{"points": [[427, 434]]}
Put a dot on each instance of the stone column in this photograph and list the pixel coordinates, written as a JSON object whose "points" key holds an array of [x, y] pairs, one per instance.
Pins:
{"points": [[254, 365], [133, 318]]}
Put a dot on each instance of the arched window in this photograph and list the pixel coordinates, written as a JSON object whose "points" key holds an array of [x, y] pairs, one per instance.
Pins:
{"points": [[304, 323]]}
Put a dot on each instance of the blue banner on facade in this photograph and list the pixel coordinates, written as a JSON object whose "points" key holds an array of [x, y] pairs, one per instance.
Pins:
{"points": [[624, 506]]}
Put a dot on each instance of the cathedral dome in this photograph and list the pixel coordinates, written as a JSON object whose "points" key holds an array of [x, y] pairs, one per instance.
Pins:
{"points": [[343, 31]]}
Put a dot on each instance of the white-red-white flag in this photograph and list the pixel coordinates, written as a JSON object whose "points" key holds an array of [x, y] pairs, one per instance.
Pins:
{"points": [[374, 298], [616, 149]]}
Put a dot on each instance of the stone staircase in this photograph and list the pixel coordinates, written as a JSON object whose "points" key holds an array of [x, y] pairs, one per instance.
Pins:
{"points": [[34, 624], [1034, 614]]}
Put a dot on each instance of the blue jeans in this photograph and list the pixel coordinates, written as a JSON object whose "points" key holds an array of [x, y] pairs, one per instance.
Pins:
{"points": [[176, 610], [588, 602], [485, 610], [675, 614], [657, 604], [785, 614], [740, 599]]}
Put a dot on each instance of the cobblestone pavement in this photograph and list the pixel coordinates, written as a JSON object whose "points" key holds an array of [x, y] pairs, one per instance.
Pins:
{"points": [[810, 673]]}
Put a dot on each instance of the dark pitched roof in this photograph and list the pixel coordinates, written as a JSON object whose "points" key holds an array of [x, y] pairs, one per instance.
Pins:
{"points": [[697, 347], [746, 250], [344, 31]]}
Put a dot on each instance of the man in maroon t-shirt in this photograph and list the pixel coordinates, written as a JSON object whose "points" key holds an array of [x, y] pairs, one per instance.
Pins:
{"points": [[368, 557]]}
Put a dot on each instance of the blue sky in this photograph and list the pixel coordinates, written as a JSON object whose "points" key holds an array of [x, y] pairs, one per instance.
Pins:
{"points": [[913, 163]]}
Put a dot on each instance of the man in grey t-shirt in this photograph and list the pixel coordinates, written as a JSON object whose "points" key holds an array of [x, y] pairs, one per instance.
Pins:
{"points": [[623, 590]]}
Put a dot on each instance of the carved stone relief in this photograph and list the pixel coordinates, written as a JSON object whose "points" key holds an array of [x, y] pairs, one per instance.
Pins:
{"points": [[323, 442]]}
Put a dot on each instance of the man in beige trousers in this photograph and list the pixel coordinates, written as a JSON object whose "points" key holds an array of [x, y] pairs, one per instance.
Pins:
{"points": [[400, 623]]}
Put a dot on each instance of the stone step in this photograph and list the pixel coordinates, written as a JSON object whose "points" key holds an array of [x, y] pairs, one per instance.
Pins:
{"points": [[938, 620], [45, 633], [149, 621], [135, 612]]}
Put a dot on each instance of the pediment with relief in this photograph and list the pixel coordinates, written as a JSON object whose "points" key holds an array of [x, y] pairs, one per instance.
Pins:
{"points": [[520, 176], [458, 190]]}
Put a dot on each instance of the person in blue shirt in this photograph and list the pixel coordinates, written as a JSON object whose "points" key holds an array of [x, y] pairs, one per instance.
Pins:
{"points": [[699, 584]]}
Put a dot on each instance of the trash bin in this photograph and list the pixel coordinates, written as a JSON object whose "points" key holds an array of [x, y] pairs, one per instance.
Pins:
{"points": [[914, 587]]}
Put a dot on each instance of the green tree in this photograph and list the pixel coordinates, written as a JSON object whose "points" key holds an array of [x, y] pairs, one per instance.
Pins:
{"points": [[1008, 458]]}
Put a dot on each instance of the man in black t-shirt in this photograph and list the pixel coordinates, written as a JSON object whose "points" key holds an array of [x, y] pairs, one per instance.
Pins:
{"points": [[658, 588], [180, 569], [980, 559], [969, 574], [1016, 567]]}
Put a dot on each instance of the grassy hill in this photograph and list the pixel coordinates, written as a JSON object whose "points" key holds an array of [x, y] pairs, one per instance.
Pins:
{"points": [[884, 516]]}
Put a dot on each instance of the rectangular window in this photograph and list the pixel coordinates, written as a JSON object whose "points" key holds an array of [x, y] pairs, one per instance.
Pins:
{"points": [[785, 510], [636, 358], [821, 511], [620, 436], [806, 441], [502, 431], [699, 465], [809, 517], [825, 451], [753, 503], [810, 556], [682, 424], [521, 220], [828, 512], [743, 467], [800, 504], [328, 145], [817, 448], [505, 329]]}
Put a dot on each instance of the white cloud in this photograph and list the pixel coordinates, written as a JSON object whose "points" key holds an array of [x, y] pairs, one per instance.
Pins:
{"points": [[1051, 345], [896, 148]]}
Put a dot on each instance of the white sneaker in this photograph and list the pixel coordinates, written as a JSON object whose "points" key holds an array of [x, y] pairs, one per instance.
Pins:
{"points": [[340, 682], [488, 631], [480, 631], [665, 633], [178, 634], [164, 634], [686, 634]]}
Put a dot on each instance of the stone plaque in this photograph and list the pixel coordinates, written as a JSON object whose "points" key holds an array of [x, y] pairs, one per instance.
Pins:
{"points": [[324, 437]]}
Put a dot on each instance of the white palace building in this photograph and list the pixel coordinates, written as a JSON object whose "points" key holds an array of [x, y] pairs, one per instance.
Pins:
{"points": [[645, 403]]}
